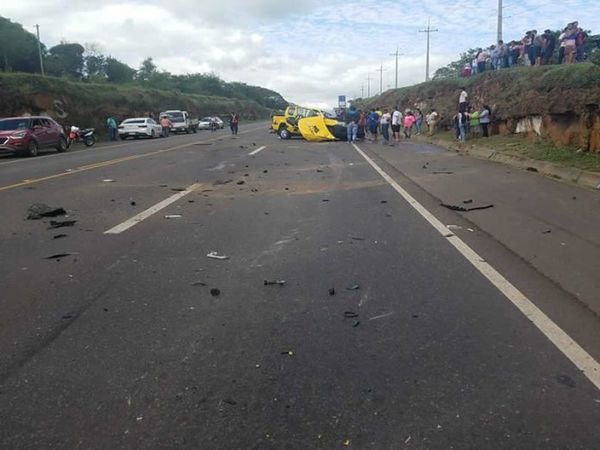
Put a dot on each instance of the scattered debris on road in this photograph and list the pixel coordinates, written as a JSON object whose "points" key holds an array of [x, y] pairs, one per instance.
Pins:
{"points": [[274, 282], [350, 315], [215, 292], [108, 180], [173, 216], [442, 172], [332, 291], [454, 227], [40, 210], [199, 283], [467, 202], [531, 169], [67, 316], [566, 380], [383, 316], [241, 182], [463, 209], [215, 255], [178, 189], [61, 223], [288, 353], [219, 182], [547, 232], [230, 401], [60, 236], [354, 287]]}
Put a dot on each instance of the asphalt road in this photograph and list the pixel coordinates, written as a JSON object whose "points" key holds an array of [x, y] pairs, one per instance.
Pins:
{"points": [[123, 344]]}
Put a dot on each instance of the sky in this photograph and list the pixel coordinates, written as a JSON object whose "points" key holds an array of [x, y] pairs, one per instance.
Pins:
{"points": [[310, 51]]}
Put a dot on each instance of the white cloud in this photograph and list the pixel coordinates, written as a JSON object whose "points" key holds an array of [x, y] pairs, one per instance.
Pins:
{"points": [[310, 51]]}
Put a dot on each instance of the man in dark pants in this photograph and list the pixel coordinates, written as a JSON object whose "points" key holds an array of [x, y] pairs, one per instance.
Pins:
{"points": [[233, 123]]}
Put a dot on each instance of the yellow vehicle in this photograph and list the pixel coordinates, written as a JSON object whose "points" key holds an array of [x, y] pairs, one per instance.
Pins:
{"points": [[311, 124]]}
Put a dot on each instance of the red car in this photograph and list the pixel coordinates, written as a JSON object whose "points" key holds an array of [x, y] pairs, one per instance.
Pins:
{"points": [[28, 135]]}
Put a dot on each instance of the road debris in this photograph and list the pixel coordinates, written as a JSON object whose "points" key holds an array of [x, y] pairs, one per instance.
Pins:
{"points": [[40, 210], [531, 169], [173, 216], [215, 292], [60, 236], [288, 353], [67, 316], [61, 223], [347, 442], [566, 380], [241, 182], [219, 182], [108, 180], [274, 282], [383, 316], [354, 287], [350, 315], [463, 209], [215, 255], [132, 203], [230, 401], [454, 227], [547, 232], [332, 291], [60, 255], [178, 189], [442, 172], [467, 202], [357, 323], [356, 238], [199, 283], [383, 202]]}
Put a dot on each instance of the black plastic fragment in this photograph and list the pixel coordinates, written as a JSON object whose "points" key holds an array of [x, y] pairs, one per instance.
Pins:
{"points": [[62, 223]]}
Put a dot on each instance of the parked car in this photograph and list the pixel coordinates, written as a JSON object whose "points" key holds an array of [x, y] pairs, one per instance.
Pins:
{"points": [[181, 120], [205, 122], [139, 126], [28, 135]]}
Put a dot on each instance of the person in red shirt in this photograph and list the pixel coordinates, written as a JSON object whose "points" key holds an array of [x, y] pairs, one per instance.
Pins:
{"points": [[409, 121], [166, 125]]}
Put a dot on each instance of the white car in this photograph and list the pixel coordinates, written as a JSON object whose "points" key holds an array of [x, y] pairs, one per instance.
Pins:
{"points": [[204, 123], [139, 126]]}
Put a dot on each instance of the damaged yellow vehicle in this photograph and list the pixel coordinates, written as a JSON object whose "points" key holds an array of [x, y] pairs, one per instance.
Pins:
{"points": [[311, 124]]}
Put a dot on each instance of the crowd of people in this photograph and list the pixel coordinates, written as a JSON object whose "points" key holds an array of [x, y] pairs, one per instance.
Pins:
{"points": [[389, 123], [470, 121], [533, 49]]}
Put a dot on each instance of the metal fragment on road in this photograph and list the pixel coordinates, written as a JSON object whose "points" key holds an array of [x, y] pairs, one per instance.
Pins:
{"points": [[215, 255], [173, 216], [61, 224], [382, 316], [350, 315], [39, 210], [354, 287], [274, 282], [108, 180]]}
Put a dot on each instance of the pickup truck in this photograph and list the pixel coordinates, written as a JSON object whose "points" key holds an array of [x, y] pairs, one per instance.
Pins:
{"points": [[181, 120]]}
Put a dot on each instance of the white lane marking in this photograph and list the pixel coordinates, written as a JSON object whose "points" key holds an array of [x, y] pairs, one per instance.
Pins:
{"points": [[571, 349], [259, 149], [150, 211]]}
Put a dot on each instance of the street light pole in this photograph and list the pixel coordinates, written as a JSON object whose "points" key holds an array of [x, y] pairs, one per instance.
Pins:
{"points": [[362, 91], [381, 70], [500, 10], [429, 30], [368, 85], [37, 28], [396, 55]]}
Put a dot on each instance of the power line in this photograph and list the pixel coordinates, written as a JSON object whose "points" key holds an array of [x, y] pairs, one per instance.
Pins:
{"points": [[429, 30]]}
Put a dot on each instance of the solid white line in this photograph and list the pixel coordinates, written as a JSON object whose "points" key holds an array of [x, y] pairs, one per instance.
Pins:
{"points": [[150, 211], [571, 349], [259, 149]]}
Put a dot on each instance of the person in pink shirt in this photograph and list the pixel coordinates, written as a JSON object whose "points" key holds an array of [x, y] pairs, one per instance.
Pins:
{"points": [[409, 121]]}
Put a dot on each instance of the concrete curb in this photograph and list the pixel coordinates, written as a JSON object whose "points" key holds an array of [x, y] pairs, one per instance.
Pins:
{"points": [[583, 178]]}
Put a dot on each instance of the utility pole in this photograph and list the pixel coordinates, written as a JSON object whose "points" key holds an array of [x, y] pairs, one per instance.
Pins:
{"points": [[368, 85], [37, 27], [429, 30], [381, 70], [500, 11], [362, 91], [396, 55]]}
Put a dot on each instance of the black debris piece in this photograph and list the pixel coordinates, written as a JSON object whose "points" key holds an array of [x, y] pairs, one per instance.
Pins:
{"points": [[566, 380], [59, 255], [287, 189], [61, 223], [357, 323], [265, 171], [354, 287], [350, 315], [463, 209], [253, 190], [241, 182], [547, 232], [191, 201], [199, 283], [230, 401], [242, 146], [40, 210], [415, 316], [332, 291], [218, 182], [246, 174], [274, 282], [67, 316], [60, 236], [531, 169], [442, 172], [215, 292], [254, 144], [383, 202], [467, 202], [325, 200], [132, 203], [266, 213], [178, 189], [388, 215], [574, 197], [163, 185], [358, 238], [319, 170]]}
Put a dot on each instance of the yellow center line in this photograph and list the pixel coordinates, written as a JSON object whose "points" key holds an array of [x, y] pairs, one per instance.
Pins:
{"points": [[109, 162]]}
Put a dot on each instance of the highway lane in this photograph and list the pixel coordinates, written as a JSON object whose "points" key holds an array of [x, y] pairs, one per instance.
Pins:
{"points": [[123, 345]]}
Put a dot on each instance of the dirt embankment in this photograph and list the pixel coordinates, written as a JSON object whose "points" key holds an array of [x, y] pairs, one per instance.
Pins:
{"points": [[561, 103], [87, 105]]}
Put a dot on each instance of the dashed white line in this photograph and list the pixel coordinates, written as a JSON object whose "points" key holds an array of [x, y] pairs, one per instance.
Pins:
{"points": [[259, 149], [150, 211], [571, 349]]}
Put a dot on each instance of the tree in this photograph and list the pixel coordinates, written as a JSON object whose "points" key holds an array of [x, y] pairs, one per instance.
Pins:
{"points": [[147, 70], [66, 60], [18, 48], [95, 62], [118, 72]]}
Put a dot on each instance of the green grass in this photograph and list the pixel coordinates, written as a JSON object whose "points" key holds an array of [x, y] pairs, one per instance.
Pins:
{"points": [[538, 149]]}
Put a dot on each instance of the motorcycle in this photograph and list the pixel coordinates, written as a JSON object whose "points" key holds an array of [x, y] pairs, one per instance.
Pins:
{"points": [[86, 136]]}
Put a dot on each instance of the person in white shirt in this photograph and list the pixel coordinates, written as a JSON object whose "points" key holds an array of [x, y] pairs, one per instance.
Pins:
{"points": [[462, 101], [396, 123], [386, 118], [432, 119]]}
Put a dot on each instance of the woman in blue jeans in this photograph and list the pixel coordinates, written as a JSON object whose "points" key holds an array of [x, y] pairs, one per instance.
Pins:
{"points": [[418, 121]]}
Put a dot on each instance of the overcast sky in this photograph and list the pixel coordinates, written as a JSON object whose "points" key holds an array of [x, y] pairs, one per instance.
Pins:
{"points": [[308, 50]]}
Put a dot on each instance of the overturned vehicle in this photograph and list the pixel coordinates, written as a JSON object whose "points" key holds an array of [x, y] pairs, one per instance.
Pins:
{"points": [[312, 124]]}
